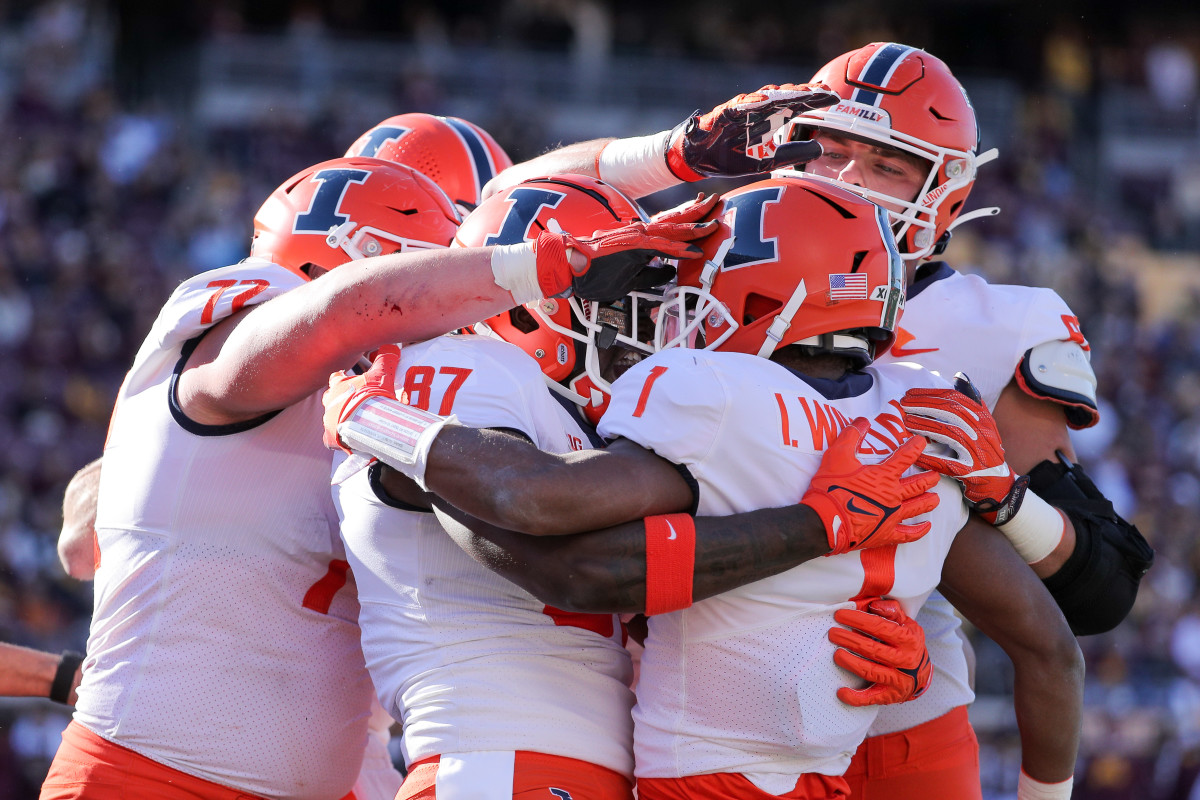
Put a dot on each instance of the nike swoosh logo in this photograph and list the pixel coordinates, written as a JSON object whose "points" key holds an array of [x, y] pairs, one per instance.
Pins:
{"points": [[672, 527], [856, 508], [904, 351], [903, 337]]}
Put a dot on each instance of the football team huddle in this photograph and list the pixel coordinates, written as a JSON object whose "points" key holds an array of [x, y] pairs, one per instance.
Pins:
{"points": [[599, 504]]}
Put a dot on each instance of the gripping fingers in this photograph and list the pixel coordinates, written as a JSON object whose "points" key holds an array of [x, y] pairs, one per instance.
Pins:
{"points": [[886, 630], [905, 455], [921, 504], [864, 668], [691, 211], [905, 533], [913, 486], [681, 231]]}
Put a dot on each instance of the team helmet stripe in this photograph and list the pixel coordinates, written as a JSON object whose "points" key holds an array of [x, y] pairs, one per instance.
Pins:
{"points": [[879, 70], [481, 157]]}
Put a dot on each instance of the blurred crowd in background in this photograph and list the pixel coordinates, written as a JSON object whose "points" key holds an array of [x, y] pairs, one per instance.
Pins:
{"points": [[117, 181]]}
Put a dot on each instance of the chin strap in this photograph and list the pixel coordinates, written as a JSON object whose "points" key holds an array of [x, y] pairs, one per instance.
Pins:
{"points": [[781, 323]]}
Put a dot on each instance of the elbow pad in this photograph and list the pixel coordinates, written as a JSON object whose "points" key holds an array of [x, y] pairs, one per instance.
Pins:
{"points": [[1097, 585]]}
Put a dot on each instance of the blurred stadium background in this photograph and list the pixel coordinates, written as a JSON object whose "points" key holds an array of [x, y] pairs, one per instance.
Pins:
{"points": [[138, 138]]}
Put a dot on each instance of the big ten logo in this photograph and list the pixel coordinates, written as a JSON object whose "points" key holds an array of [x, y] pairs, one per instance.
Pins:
{"points": [[886, 434], [575, 441]]}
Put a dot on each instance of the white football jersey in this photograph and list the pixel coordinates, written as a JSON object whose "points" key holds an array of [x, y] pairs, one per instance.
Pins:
{"points": [[745, 682], [961, 323], [466, 659], [224, 641]]}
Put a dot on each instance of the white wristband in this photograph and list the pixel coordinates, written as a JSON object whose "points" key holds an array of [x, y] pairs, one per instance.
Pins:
{"points": [[1036, 529], [399, 435], [514, 267], [638, 165], [1029, 789]]}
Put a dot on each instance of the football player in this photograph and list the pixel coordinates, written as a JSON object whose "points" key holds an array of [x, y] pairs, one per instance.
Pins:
{"points": [[224, 656], [760, 714], [499, 692], [904, 134]]}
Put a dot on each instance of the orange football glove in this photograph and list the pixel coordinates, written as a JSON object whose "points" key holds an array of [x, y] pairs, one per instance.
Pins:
{"points": [[884, 646], [734, 138], [958, 419], [347, 392], [617, 260], [862, 505]]}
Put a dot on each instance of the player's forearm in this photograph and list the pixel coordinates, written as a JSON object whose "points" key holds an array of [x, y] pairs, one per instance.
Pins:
{"points": [[507, 482], [989, 583], [577, 159], [25, 672], [286, 348], [604, 571], [395, 298], [1048, 699]]}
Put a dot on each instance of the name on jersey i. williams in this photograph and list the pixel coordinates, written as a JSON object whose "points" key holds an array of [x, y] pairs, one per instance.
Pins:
{"points": [[824, 423]]}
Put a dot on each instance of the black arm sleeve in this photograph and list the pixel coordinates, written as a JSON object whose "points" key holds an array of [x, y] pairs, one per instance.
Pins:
{"points": [[1097, 585]]}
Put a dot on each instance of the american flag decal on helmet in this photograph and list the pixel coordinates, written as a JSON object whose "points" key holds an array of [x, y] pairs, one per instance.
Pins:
{"points": [[848, 286]]}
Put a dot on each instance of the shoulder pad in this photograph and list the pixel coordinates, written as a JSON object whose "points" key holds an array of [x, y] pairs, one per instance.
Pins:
{"points": [[1061, 372]]}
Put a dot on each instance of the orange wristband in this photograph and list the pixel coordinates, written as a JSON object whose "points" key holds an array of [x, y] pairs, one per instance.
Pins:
{"points": [[670, 562]]}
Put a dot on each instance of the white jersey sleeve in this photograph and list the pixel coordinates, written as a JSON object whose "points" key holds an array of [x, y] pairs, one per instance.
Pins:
{"points": [[204, 300], [675, 406], [998, 334]]}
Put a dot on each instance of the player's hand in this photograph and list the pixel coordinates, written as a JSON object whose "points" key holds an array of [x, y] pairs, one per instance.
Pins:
{"points": [[958, 419], [884, 646], [691, 211], [862, 505], [733, 139], [616, 260], [347, 392]]}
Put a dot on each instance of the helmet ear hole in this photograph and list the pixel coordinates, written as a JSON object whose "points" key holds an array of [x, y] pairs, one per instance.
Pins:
{"points": [[759, 306], [522, 320]]}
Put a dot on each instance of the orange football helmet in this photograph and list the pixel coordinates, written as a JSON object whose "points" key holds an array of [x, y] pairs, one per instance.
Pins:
{"points": [[351, 208], [905, 98], [458, 155], [795, 261], [565, 335]]}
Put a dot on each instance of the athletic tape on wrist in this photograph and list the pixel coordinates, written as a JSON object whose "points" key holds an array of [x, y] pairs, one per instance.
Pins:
{"points": [[514, 268], [399, 435], [670, 562], [64, 677], [1029, 789], [1036, 529], [637, 165]]}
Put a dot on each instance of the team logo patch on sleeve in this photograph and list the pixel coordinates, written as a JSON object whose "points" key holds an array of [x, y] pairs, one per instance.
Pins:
{"points": [[848, 286]]}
